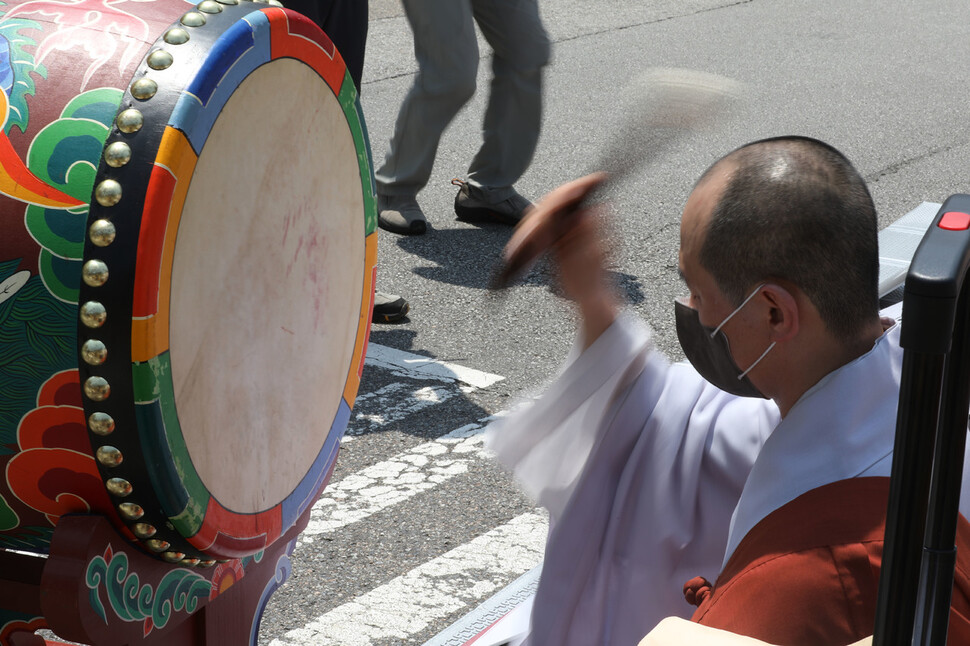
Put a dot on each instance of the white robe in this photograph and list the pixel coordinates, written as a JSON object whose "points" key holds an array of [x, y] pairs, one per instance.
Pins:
{"points": [[652, 475]]}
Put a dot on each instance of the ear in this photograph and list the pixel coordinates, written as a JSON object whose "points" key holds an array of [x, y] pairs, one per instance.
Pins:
{"points": [[783, 312]]}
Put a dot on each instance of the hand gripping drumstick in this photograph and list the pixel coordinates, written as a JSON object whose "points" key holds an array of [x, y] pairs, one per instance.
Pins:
{"points": [[662, 106]]}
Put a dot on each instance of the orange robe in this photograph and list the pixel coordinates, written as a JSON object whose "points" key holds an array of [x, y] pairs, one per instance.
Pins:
{"points": [[808, 573]]}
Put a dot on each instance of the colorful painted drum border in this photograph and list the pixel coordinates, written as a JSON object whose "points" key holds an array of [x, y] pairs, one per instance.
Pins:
{"points": [[165, 119]]}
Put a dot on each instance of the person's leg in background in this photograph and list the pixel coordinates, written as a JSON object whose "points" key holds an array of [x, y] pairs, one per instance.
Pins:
{"points": [[447, 54], [513, 117]]}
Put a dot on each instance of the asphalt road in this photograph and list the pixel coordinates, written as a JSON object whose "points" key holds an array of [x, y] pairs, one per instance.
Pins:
{"points": [[884, 82]]}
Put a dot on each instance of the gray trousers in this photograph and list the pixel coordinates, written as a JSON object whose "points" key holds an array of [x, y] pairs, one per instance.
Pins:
{"points": [[447, 55]]}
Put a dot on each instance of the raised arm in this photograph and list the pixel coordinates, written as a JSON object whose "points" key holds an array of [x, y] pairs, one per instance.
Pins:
{"points": [[564, 224]]}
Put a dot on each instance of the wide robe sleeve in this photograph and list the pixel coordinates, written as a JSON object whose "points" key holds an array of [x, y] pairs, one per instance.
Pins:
{"points": [[640, 464]]}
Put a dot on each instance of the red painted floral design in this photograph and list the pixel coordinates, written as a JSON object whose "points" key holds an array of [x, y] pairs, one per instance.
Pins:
{"points": [[54, 472]]}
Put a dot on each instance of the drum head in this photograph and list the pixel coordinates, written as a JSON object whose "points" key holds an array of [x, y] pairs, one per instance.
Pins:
{"points": [[267, 284]]}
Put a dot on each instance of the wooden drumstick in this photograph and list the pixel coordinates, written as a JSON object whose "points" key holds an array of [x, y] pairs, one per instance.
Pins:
{"points": [[662, 106]]}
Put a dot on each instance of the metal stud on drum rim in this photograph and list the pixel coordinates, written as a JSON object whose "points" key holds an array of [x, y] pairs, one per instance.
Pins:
{"points": [[97, 389], [93, 314], [101, 424], [109, 456], [176, 36], [210, 6], [144, 89], [94, 352], [160, 59], [117, 154], [102, 232], [119, 487], [145, 531], [130, 121], [94, 273], [193, 19], [157, 545], [108, 192], [131, 511]]}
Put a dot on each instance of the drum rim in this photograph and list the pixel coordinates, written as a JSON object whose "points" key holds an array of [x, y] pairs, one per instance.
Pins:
{"points": [[202, 531]]}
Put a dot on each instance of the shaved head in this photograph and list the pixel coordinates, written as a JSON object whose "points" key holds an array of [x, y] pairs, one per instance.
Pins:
{"points": [[795, 208]]}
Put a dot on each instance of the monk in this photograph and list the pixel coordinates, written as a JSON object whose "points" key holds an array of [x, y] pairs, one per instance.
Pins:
{"points": [[762, 465]]}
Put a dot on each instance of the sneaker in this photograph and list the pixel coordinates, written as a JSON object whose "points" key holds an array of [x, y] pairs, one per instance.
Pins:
{"points": [[400, 214], [470, 206], [389, 308]]}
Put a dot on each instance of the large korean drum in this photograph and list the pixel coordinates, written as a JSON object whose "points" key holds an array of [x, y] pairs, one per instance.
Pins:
{"points": [[187, 248]]}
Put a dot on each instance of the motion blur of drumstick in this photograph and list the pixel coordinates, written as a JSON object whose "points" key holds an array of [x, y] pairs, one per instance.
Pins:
{"points": [[661, 106]]}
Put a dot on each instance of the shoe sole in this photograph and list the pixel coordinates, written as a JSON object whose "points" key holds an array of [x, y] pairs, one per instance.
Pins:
{"points": [[483, 214], [416, 228]]}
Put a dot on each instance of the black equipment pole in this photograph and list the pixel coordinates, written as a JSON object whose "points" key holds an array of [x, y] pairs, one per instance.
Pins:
{"points": [[916, 581], [909, 486], [939, 553]]}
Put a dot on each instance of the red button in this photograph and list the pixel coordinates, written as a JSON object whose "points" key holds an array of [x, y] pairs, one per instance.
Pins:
{"points": [[955, 221]]}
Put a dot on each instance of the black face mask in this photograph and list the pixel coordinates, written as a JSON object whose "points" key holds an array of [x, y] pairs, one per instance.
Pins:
{"points": [[709, 352]]}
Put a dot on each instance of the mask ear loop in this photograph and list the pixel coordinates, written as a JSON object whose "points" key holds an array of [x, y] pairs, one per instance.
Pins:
{"points": [[744, 374], [738, 309], [730, 316]]}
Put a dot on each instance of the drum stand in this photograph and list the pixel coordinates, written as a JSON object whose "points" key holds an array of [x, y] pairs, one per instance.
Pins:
{"points": [[96, 588]]}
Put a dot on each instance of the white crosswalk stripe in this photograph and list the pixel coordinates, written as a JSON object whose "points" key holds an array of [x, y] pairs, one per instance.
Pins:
{"points": [[413, 365], [409, 603], [395, 480], [397, 401], [394, 402]]}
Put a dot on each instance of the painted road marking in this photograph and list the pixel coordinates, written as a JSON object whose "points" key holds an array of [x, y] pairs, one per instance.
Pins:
{"points": [[392, 481], [417, 366], [396, 401], [410, 603]]}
